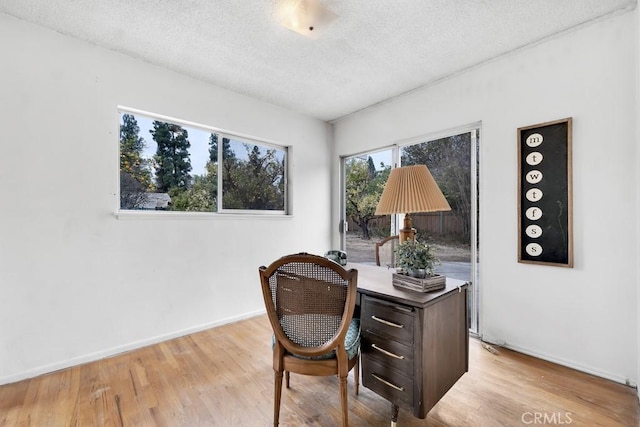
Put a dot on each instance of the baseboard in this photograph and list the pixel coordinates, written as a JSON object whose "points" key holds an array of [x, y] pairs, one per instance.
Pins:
{"points": [[92, 357], [569, 364]]}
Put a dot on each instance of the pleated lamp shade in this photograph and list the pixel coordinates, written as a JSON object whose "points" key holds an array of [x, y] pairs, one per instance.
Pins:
{"points": [[411, 189]]}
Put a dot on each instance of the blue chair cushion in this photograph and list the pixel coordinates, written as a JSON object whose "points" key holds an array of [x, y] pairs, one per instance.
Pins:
{"points": [[351, 342]]}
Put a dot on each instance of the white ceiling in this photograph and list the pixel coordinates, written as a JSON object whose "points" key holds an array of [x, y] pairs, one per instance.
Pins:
{"points": [[373, 51]]}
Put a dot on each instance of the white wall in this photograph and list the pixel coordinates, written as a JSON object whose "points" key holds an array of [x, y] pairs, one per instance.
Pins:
{"points": [[585, 317], [76, 283]]}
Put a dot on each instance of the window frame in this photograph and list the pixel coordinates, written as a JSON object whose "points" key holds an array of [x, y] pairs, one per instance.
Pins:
{"points": [[220, 212]]}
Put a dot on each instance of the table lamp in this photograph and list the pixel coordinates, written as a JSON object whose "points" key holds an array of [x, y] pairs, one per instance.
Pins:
{"points": [[411, 189]]}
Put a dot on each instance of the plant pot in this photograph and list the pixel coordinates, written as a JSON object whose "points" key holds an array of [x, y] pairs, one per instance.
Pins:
{"points": [[419, 273], [428, 284]]}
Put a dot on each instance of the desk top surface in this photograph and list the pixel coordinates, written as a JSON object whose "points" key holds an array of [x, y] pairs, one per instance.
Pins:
{"points": [[377, 281]]}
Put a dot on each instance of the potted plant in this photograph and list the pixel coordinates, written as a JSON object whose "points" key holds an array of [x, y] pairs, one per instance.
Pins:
{"points": [[416, 259]]}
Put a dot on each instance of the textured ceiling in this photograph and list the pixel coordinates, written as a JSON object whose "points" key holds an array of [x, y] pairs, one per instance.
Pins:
{"points": [[374, 50]]}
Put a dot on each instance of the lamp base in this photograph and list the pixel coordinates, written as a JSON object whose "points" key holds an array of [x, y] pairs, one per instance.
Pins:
{"points": [[408, 232]]}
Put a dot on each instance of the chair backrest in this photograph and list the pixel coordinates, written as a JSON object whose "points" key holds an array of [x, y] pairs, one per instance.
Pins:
{"points": [[310, 301], [385, 251]]}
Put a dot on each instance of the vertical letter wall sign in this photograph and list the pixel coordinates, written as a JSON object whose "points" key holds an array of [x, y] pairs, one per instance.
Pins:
{"points": [[545, 217]]}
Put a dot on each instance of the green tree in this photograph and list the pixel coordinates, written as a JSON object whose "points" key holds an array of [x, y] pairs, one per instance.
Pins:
{"points": [[172, 156], [371, 168], [449, 160], [364, 187], [198, 197], [256, 183], [135, 171]]}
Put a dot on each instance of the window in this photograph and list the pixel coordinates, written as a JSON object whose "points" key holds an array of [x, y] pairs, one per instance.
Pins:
{"points": [[166, 165]]}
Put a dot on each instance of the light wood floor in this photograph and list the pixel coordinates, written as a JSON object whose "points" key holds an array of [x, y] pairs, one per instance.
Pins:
{"points": [[223, 377]]}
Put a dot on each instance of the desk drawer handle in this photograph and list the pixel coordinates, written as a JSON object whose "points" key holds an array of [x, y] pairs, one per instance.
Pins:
{"points": [[387, 383], [387, 352], [386, 322]]}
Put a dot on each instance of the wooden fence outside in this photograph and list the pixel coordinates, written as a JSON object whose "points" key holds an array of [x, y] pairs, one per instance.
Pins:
{"points": [[434, 223]]}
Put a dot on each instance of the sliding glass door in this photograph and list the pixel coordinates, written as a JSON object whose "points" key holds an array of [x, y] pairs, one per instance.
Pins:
{"points": [[454, 163]]}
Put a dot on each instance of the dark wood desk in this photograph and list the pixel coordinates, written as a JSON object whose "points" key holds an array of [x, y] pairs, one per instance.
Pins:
{"points": [[415, 345]]}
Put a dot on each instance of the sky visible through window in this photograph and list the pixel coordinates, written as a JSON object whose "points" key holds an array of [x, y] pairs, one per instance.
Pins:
{"points": [[378, 157]]}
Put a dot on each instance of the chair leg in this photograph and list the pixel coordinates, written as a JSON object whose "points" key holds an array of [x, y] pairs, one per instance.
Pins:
{"points": [[356, 373], [343, 399], [277, 397], [286, 378]]}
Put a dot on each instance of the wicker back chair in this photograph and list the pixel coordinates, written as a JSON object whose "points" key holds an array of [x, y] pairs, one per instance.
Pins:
{"points": [[385, 251], [310, 301]]}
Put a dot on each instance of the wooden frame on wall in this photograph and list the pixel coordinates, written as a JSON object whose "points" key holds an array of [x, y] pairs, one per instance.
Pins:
{"points": [[545, 197]]}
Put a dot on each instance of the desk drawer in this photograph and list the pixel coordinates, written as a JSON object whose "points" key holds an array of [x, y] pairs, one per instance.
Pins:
{"points": [[387, 319], [386, 382], [388, 352]]}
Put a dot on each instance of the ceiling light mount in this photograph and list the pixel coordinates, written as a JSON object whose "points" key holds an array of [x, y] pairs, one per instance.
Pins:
{"points": [[306, 17]]}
